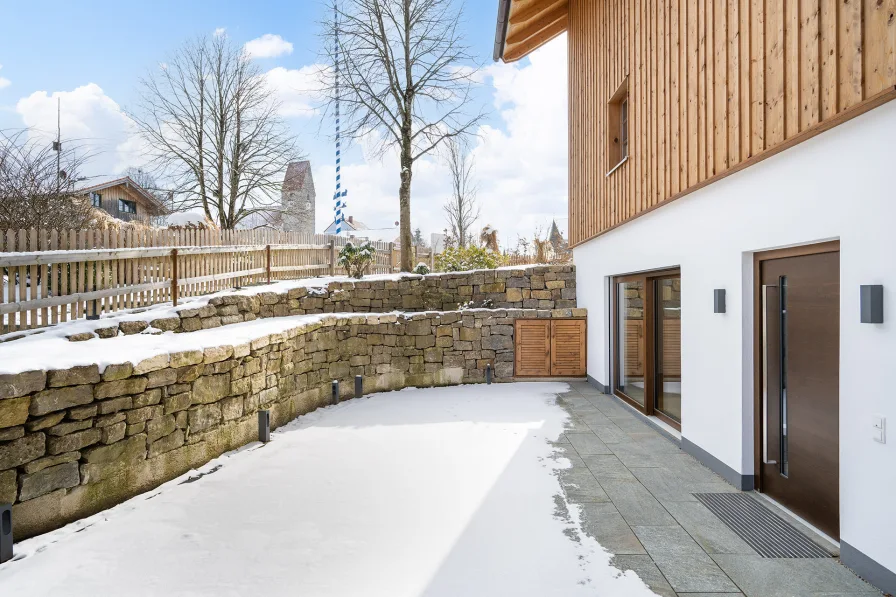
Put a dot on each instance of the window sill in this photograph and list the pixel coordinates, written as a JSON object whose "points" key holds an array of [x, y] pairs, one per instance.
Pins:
{"points": [[617, 166]]}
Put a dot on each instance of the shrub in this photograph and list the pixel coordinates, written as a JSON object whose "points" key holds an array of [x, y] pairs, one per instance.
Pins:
{"points": [[459, 259], [356, 260], [421, 269]]}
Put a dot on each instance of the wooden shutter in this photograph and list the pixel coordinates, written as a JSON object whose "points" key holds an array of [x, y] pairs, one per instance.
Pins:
{"points": [[568, 347], [533, 347]]}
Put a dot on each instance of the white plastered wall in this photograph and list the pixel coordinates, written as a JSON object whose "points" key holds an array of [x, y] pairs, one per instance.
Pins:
{"points": [[838, 185]]}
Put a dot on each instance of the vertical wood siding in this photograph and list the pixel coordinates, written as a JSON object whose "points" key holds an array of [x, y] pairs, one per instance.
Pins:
{"points": [[712, 84]]}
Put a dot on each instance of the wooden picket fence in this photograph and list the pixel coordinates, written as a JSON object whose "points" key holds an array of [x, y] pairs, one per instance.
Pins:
{"points": [[53, 276]]}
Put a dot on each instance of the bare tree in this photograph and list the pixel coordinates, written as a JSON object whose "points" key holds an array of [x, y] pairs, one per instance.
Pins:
{"points": [[461, 208], [213, 129], [38, 184], [406, 78]]}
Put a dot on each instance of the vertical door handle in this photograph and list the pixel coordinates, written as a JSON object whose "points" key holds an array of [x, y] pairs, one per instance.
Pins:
{"points": [[771, 325]]}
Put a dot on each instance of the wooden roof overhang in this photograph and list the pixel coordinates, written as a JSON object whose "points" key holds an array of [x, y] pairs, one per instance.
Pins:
{"points": [[525, 25]]}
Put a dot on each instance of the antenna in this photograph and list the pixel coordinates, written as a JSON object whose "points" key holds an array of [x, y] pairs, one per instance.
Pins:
{"points": [[339, 205], [57, 144]]}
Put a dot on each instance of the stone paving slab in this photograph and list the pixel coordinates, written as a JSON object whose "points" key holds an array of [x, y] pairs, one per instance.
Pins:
{"points": [[634, 487]]}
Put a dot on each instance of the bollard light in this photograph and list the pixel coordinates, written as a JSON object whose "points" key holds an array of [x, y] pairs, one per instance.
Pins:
{"points": [[264, 426], [5, 532], [488, 373], [335, 391], [359, 386]]}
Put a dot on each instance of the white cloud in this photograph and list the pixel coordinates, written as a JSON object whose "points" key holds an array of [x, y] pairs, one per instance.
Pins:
{"points": [[297, 90], [220, 31], [268, 45], [89, 118], [521, 166], [4, 82]]}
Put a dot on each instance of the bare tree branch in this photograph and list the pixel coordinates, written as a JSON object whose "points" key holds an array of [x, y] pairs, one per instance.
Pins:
{"points": [[214, 131], [36, 190], [406, 79], [461, 209]]}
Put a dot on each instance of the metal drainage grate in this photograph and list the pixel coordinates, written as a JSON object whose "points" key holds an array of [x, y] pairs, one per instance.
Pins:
{"points": [[763, 530]]}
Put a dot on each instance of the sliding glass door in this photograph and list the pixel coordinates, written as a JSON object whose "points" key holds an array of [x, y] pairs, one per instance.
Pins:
{"points": [[647, 316], [630, 375]]}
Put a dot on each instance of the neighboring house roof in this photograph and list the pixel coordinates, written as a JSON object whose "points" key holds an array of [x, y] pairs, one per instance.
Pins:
{"points": [[350, 224], [295, 176], [128, 182], [525, 25]]}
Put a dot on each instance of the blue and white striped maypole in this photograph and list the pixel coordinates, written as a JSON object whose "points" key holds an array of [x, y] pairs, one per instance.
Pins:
{"points": [[338, 198]]}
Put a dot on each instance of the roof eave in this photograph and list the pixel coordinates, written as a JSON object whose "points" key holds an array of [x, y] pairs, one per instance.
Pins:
{"points": [[501, 29]]}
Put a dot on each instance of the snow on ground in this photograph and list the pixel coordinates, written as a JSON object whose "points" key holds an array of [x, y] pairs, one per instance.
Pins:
{"points": [[437, 492]]}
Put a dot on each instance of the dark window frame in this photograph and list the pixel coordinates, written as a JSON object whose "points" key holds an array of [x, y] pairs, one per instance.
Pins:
{"points": [[649, 355], [127, 207]]}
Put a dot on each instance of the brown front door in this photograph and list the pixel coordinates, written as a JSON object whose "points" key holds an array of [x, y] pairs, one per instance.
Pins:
{"points": [[800, 382]]}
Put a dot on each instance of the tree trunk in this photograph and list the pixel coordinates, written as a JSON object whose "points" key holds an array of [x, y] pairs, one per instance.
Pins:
{"points": [[404, 198]]}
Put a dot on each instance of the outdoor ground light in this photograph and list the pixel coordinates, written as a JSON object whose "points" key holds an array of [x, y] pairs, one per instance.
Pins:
{"points": [[334, 386], [264, 426], [718, 300], [359, 386], [5, 532], [488, 373], [872, 303]]}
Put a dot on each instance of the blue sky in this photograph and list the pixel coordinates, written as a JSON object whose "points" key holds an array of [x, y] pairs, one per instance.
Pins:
{"points": [[92, 53]]}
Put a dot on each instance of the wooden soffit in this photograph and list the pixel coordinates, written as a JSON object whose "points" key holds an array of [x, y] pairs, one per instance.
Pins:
{"points": [[525, 25]]}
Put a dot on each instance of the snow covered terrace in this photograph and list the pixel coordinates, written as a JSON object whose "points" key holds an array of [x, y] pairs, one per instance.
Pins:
{"points": [[444, 491]]}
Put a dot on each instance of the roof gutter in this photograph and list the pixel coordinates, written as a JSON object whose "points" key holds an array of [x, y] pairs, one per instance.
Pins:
{"points": [[501, 29]]}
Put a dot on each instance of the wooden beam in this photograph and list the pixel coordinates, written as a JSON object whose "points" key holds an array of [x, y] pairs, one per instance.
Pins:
{"points": [[523, 10], [517, 51], [524, 30]]}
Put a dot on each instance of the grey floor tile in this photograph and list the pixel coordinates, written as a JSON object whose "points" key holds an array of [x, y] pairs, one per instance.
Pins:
{"points": [[607, 527], [738, 594], [634, 455], [635, 503], [576, 425], [670, 485], [694, 573], [574, 401], [769, 577], [581, 487], [587, 444], [706, 528], [646, 570], [609, 433], [595, 418], [666, 540], [607, 466]]}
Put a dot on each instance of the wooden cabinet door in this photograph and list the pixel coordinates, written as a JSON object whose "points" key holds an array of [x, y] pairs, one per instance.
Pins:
{"points": [[568, 347], [533, 347]]}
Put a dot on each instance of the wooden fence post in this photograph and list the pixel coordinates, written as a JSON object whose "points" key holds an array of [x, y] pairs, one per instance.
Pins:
{"points": [[174, 276], [332, 257], [268, 265], [391, 257]]}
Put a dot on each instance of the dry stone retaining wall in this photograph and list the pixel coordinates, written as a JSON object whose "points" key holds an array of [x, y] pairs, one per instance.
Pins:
{"points": [[536, 287], [76, 441]]}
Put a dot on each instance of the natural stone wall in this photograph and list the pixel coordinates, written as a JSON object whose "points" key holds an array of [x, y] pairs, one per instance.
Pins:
{"points": [[76, 441], [536, 287]]}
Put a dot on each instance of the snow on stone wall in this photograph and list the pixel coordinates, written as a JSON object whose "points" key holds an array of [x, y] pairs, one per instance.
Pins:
{"points": [[536, 287]]}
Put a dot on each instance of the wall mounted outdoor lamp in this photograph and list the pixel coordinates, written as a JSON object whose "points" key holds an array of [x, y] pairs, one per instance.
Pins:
{"points": [[718, 300], [872, 303]]}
